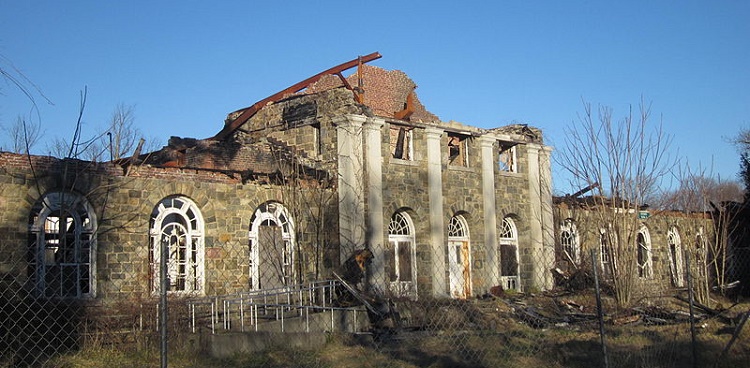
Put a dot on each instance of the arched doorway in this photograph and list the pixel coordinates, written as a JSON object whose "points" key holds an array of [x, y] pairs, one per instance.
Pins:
{"points": [[459, 257], [272, 248]]}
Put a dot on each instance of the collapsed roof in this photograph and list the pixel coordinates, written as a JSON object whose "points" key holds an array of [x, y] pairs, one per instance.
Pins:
{"points": [[243, 143]]}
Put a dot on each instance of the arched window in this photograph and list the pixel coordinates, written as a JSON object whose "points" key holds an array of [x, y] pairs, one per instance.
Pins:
{"points": [[459, 257], [401, 263], [643, 244], [606, 242], [674, 245], [701, 256], [177, 225], [272, 247], [509, 267], [569, 242], [62, 246]]}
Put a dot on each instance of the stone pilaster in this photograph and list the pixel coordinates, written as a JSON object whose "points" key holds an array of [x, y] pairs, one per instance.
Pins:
{"points": [[548, 226], [374, 168], [437, 226], [539, 264], [492, 264], [350, 183]]}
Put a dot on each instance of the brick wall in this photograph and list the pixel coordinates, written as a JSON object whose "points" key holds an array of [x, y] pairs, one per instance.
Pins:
{"points": [[385, 91]]}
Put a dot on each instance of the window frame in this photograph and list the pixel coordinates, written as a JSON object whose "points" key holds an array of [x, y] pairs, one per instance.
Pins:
{"points": [[189, 257], [507, 159], [401, 233], [44, 257], [607, 257], [569, 227], [407, 149], [508, 237], [644, 253], [278, 214], [458, 233], [674, 252], [461, 145]]}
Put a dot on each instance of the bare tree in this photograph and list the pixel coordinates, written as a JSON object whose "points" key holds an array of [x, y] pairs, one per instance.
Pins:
{"points": [[117, 141], [18, 79], [706, 197], [697, 189], [23, 135], [121, 135], [742, 141], [308, 193], [74, 147], [624, 161]]}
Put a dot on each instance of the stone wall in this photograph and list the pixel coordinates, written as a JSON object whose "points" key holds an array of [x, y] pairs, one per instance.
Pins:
{"points": [[124, 204], [405, 187], [658, 224]]}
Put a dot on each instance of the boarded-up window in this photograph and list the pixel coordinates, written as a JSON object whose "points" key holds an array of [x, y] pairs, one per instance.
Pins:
{"points": [[273, 255]]}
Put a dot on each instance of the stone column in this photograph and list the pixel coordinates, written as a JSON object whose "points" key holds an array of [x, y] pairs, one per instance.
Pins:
{"points": [[374, 168], [350, 183], [539, 266], [492, 262], [548, 226], [437, 226]]}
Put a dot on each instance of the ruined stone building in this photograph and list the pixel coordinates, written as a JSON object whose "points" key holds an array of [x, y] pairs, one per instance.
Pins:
{"points": [[653, 249], [283, 194]]}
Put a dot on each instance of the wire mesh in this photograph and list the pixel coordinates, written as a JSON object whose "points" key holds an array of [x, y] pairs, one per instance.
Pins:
{"points": [[469, 322]]}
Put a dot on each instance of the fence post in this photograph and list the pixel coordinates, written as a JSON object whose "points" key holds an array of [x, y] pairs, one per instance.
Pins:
{"points": [[692, 313], [599, 311], [163, 301]]}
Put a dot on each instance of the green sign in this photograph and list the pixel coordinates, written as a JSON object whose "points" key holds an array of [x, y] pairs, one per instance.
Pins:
{"points": [[643, 215]]}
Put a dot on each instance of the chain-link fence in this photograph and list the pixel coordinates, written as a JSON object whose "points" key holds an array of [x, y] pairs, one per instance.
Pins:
{"points": [[575, 324]]}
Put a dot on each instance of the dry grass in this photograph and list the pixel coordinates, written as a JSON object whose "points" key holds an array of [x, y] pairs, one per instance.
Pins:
{"points": [[470, 334], [519, 346]]}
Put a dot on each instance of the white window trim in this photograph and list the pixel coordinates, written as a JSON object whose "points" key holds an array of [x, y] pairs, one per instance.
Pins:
{"points": [[605, 254], [394, 241], [647, 266], [458, 231], [193, 236], [675, 260], [275, 214], [570, 227], [51, 203], [509, 228], [502, 163]]}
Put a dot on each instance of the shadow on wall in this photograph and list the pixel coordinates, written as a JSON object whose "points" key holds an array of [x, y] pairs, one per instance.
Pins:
{"points": [[34, 329]]}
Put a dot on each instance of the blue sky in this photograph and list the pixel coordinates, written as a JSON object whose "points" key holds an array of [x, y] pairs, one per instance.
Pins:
{"points": [[184, 65]]}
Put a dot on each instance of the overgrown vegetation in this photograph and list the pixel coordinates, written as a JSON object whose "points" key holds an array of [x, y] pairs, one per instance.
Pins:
{"points": [[623, 162], [471, 333]]}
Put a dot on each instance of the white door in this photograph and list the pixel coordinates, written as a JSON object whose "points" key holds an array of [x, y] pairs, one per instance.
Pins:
{"points": [[458, 265]]}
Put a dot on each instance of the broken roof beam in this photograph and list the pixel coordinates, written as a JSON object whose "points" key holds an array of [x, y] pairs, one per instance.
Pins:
{"points": [[248, 112], [585, 190]]}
